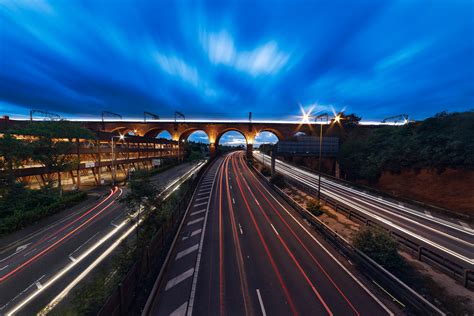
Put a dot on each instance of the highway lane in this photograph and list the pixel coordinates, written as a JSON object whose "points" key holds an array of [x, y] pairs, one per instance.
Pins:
{"points": [[258, 257], [438, 234], [58, 254]]}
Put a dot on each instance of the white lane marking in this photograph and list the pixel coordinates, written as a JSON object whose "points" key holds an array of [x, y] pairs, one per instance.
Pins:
{"points": [[233, 201], [206, 186], [428, 213], [38, 285], [21, 293], [72, 258], [83, 244], [4, 267], [186, 251], [194, 233], [199, 204], [230, 186], [262, 307], [197, 212], [257, 202], [274, 229], [205, 190], [331, 255], [201, 198], [22, 247], [180, 278], [241, 231], [198, 260], [180, 311], [195, 221], [204, 193]]}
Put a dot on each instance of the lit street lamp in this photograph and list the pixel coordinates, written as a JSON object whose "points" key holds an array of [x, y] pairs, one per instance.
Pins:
{"points": [[325, 115], [121, 137]]}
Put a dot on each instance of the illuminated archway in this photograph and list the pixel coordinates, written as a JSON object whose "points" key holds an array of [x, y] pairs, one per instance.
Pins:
{"points": [[265, 137], [164, 134]]}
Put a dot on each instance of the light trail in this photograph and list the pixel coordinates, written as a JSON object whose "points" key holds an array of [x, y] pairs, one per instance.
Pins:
{"points": [[377, 217], [56, 300]]}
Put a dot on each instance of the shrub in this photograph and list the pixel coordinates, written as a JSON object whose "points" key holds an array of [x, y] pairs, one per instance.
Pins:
{"points": [[314, 207], [380, 246]]}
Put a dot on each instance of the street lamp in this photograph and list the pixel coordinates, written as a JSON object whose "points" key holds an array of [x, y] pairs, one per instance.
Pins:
{"points": [[121, 137], [325, 115]]}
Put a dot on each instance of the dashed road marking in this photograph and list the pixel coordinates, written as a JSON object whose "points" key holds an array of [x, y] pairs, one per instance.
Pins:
{"points": [[233, 201], [197, 231], [197, 212], [200, 204], [241, 231], [262, 307], [195, 221], [180, 311], [4, 267], [428, 214], [187, 251], [39, 285], [202, 193], [72, 258], [202, 198], [180, 278]]}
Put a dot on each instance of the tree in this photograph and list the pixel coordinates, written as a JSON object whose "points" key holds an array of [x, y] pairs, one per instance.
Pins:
{"points": [[13, 153], [53, 146], [380, 246]]}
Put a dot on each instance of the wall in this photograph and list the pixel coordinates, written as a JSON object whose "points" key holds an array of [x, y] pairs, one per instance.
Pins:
{"points": [[452, 189]]}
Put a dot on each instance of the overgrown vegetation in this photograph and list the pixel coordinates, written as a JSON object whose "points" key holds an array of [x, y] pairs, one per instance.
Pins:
{"points": [[314, 207], [22, 207], [376, 243], [443, 141]]}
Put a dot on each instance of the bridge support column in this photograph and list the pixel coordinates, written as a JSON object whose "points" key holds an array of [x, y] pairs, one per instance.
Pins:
{"points": [[212, 150], [249, 150]]}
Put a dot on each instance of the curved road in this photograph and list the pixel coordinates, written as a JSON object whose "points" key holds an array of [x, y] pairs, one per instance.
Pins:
{"points": [[244, 251]]}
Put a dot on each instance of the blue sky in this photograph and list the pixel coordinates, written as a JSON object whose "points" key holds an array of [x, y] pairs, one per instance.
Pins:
{"points": [[222, 59]]}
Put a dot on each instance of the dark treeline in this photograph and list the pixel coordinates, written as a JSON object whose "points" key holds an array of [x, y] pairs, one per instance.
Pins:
{"points": [[437, 143]]}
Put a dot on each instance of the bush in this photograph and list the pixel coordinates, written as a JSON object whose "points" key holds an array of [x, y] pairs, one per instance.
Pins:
{"points": [[314, 207], [33, 205], [381, 247], [278, 180]]}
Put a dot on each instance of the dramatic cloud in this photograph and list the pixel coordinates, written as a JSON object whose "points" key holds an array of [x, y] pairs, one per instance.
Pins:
{"points": [[223, 59]]}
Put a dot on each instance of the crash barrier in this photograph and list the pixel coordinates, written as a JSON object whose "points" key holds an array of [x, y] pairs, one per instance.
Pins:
{"points": [[125, 294], [412, 301]]}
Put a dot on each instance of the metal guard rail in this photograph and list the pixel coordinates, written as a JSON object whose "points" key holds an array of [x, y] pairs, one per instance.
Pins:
{"points": [[415, 301]]}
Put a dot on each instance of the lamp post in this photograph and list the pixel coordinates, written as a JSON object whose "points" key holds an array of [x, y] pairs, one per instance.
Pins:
{"points": [[121, 137], [325, 115]]}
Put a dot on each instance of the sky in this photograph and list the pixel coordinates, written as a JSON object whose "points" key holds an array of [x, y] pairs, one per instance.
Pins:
{"points": [[224, 59]]}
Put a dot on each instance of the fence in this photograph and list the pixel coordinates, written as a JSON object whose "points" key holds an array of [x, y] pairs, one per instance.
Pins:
{"points": [[122, 298], [415, 301]]}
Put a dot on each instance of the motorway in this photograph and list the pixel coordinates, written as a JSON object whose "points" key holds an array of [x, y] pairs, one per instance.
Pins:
{"points": [[244, 251], [445, 236], [35, 268]]}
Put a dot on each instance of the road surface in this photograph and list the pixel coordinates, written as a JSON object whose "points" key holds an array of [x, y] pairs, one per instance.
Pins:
{"points": [[39, 266], [442, 235], [244, 251]]}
